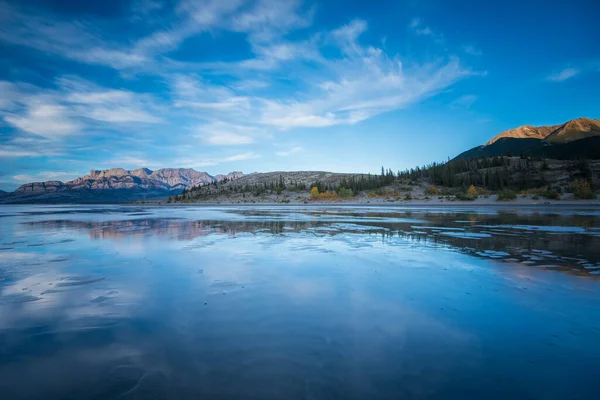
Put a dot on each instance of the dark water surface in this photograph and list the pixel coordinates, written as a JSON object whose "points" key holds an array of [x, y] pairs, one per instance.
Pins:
{"points": [[106, 302]]}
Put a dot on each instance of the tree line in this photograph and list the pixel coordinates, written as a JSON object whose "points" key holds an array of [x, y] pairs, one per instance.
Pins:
{"points": [[492, 173]]}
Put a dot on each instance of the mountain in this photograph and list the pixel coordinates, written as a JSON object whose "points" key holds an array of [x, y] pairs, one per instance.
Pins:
{"points": [[115, 185], [575, 129], [229, 177], [588, 148], [578, 138], [524, 132]]}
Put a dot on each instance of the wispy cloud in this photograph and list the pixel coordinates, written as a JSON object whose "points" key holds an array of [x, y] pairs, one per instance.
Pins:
{"points": [[241, 157], [365, 81], [88, 100], [73, 107], [220, 133], [26, 146], [574, 69], [292, 77], [287, 153], [563, 75], [464, 101], [46, 176], [130, 162], [44, 118], [202, 162], [418, 27]]}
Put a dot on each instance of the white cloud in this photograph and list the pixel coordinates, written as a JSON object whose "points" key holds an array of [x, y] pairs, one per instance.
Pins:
{"points": [[225, 135], [574, 69], [563, 75], [419, 28], [202, 161], [241, 157], [46, 176], [220, 103], [347, 35], [267, 19], [206, 99], [464, 101], [287, 153], [131, 162], [72, 39], [30, 146], [364, 82], [88, 100], [250, 84], [228, 139], [63, 111], [45, 119], [12, 152], [272, 56]]}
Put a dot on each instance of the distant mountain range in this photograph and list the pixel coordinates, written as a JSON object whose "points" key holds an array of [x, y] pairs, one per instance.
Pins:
{"points": [[115, 185], [578, 138]]}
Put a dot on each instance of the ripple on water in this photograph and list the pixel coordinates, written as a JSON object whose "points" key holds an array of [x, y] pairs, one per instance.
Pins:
{"points": [[467, 235], [78, 281]]}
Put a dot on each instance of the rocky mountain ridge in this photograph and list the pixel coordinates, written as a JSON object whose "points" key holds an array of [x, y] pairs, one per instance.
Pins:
{"points": [[574, 139], [117, 184], [569, 131]]}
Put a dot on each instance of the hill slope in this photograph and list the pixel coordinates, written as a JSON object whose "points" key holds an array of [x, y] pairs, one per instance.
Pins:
{"points": [[584, 148], [578, 138]]}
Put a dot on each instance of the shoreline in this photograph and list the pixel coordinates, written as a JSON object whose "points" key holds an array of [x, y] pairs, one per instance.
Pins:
{"points": [[490, 201], [370, 202]]}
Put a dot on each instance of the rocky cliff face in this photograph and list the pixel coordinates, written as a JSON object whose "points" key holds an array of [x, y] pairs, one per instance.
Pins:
{"points": [[182, 177], [230, 176], [41, 187], [100, 185]]}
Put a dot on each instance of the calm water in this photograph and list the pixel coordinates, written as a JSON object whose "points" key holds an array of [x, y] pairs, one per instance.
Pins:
{"points": [[108, 302]]}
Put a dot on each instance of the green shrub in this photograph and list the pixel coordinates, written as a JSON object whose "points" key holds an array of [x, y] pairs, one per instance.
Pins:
{"points": [[550, 195], [507, 194], [582, 190], [345, 193], [464, 197], [432, 191]]}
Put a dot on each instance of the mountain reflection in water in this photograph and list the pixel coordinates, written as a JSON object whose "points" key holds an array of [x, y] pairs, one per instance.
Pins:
{"points": [[549, 240]]}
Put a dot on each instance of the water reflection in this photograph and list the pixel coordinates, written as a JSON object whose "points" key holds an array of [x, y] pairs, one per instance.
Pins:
{"points": [[568, 243], [183, 302]]}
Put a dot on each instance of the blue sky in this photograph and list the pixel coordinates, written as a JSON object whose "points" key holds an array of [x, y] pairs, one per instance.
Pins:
{"points": [[261, 85]]}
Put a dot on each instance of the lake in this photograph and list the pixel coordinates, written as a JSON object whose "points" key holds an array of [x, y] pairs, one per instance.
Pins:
{"points": [[303, 302]]}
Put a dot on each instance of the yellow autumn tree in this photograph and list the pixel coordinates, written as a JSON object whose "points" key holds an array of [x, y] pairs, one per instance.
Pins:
{"points": [[472, 192], [314, 193]]}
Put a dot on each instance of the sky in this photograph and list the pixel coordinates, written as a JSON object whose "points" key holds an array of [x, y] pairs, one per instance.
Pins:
{"points": [[272, 85]]}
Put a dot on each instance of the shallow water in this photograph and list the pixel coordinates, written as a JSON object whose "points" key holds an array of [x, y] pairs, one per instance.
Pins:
{"points": [[103, 302]]}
